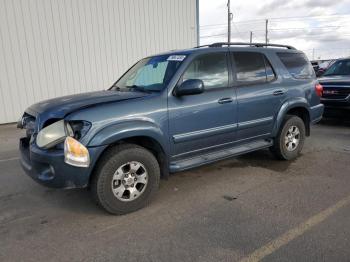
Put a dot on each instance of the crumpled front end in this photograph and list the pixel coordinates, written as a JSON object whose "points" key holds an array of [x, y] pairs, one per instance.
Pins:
{"points": [[47, 166]]}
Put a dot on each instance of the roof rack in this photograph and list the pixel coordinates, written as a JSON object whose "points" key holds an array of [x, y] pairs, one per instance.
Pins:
{"points": [[220, 44]]}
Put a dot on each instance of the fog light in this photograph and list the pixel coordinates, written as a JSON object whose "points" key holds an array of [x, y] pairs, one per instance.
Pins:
{"points": [[75, 153]]}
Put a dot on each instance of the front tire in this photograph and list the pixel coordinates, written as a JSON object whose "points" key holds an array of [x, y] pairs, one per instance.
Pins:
{"points": [[126, 179], [290, 139]]}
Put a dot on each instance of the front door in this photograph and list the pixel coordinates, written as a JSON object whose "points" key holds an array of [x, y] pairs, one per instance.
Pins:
{"points": [[207, 121]]}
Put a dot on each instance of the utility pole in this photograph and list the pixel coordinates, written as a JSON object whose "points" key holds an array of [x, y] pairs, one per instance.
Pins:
{"points": [[229, 18], [251, 37], [266, 31]]}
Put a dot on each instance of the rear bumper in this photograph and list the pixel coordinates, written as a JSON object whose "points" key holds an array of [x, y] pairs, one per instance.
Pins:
{"points": [[316, 113], [47, 167]]}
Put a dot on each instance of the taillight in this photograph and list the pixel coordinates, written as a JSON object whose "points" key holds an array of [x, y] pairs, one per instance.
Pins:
{"points": [[319, 89]]}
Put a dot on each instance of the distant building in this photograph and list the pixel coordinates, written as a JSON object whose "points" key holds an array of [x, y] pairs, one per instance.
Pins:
{"points": [[56, 48]]}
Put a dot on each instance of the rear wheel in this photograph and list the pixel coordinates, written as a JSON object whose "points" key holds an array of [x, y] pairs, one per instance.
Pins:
{"points": [[126, 179], [290, 139]]}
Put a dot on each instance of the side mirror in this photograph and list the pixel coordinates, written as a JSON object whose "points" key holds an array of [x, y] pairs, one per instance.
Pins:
{"points": [[190, 87]]}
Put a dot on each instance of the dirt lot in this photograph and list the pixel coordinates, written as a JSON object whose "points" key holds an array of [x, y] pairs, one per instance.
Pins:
{"points": [[248, 208]]}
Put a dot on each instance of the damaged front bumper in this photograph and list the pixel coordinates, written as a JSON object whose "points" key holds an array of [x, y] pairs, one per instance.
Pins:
{"points": [[48, 168]]}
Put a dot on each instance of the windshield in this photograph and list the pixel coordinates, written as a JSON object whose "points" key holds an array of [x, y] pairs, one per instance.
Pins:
{"points": [[150, 74], [339, 68]]}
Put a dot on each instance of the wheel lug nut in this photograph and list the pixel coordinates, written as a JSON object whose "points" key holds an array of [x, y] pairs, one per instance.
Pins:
{"points": [[135, 179]]}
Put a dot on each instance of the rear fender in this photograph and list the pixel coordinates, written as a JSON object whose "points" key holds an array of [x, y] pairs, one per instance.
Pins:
{"points": [[288, 105]]}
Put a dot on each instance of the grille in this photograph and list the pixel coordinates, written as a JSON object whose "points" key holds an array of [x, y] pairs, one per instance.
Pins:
{"points": [[336, 92]]}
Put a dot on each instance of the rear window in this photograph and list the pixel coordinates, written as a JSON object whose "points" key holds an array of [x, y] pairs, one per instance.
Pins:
{"points": [[297, 65]]}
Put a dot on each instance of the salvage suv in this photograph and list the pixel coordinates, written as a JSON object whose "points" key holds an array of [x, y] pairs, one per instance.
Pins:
{"points": [[169, 113]]}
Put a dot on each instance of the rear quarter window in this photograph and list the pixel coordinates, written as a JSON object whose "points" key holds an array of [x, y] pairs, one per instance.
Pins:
{"points": [[297, 65]]}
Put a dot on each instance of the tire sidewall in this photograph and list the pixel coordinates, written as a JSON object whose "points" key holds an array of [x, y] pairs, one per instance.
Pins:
{"points": [[292, 121], [104, 183]]}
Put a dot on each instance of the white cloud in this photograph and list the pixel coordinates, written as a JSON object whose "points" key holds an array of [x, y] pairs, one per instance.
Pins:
{"points": [[309, 25]]}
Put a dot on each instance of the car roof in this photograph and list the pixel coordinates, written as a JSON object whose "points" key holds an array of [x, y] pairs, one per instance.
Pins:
{"points": [[343, 59]]}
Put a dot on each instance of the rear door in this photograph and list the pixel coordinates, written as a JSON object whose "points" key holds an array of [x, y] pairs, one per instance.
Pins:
{"points": [[259, 94]]}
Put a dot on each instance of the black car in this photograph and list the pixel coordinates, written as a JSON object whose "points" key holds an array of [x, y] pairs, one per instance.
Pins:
{"points": [[336, 87]]}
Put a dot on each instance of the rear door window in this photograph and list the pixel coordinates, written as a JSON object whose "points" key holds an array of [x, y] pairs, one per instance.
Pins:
{"points": [[252, 68], [297, 65]]}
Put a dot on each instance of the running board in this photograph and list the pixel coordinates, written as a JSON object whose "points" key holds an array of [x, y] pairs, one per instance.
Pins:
{"points": [[218, 155]]}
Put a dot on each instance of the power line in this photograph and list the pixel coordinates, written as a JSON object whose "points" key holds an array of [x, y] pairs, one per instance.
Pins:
{"points": [[275, 31], [205, 36], [239, 33], [325, 49], [309, 17], [262, 36], [306, 28], [282, 18], [291, 28]]}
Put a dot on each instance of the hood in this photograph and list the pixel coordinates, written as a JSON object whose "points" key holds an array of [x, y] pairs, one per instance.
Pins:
{"points": [[336, 79], [61, 106]]}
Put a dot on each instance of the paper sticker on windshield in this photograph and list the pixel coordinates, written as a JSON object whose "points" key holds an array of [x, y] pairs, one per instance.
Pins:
{"points": [[176, 58]]}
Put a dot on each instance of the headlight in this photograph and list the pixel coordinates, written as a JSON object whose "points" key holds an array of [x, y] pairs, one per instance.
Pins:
{"points": [[78, 128], [56, 133], [75, 153], [51, 135]]}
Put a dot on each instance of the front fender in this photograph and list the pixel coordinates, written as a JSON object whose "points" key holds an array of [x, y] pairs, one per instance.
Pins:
{"points": [[288, 105], [115, 132]]}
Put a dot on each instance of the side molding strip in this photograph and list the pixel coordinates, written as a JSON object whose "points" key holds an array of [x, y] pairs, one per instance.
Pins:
{"points": [[204, 133], [256, 122]]}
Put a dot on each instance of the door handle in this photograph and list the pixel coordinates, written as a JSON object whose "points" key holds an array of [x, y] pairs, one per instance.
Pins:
{"points": [[278, 92], [225, 100]]}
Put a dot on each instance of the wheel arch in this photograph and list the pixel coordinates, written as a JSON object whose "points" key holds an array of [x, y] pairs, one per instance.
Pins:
{"points": [[298, 107], [143, 134]]}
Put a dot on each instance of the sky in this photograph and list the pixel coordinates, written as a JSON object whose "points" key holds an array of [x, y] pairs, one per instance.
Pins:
{"points": [[320, 28]]}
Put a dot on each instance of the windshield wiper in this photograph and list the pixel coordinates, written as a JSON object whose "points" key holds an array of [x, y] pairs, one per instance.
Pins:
{"points": [[139, 88], [115, 88]]}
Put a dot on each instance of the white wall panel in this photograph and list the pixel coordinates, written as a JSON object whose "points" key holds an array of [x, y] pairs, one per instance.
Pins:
{"points": [[50, 48]]}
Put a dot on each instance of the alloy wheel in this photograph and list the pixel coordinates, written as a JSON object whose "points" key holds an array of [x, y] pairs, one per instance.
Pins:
{"points": [[129, 181]]}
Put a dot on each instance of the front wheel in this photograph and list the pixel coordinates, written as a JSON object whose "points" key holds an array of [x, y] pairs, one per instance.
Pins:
{"points": [[125, 179], [290, 139]]}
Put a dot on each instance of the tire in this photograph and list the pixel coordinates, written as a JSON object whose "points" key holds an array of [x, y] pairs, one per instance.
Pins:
{"points": [[110, 185], [283, 147]]}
